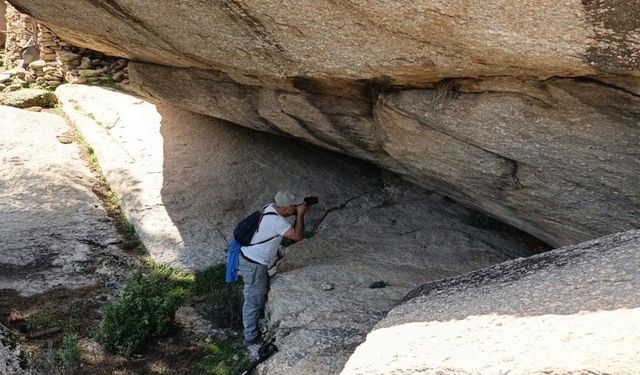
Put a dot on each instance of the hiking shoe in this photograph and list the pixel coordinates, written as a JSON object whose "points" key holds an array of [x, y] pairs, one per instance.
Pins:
{"points": [[254, 351]]}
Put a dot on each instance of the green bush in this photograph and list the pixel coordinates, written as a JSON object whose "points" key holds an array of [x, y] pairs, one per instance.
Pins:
{"points": [[144, 310], [69, 354]]}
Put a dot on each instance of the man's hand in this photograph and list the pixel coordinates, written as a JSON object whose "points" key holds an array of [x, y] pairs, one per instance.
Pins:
{"points": [[301, 209], [296, 233]]}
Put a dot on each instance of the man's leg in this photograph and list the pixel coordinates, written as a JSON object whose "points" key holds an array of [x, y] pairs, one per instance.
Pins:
{"points": [[255, 279]]}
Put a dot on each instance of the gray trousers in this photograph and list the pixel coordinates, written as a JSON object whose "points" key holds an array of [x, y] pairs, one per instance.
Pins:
{"points": [[256, 286]]}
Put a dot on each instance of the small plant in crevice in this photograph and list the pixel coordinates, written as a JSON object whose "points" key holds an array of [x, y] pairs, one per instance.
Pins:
{"points": [[132, 241], [91, 155], [445, 90], [113, 200], [379, 284], [145, 310], [109, 82]]}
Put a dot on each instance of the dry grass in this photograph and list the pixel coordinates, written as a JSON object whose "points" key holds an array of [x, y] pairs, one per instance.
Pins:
{"points": [[444, 91]]}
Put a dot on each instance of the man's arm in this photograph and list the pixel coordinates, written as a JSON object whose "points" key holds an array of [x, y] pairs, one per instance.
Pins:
{"points": [[296, 233]]}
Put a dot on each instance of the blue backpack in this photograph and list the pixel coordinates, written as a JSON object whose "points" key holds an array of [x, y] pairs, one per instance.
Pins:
{"points": [[242, 235]]}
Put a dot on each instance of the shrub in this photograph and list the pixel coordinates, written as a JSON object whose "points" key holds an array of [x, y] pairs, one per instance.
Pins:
{"points": [[69, 354], [144, 310]]}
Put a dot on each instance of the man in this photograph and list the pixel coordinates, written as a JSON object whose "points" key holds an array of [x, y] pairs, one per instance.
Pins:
{"points": [[256, 259]]}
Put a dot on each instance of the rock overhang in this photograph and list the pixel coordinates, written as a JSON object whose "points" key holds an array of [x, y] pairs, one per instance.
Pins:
{"points": [[403, 86]]}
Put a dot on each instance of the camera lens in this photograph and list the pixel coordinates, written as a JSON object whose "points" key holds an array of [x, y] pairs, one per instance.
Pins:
{"points": [[311, 200]]}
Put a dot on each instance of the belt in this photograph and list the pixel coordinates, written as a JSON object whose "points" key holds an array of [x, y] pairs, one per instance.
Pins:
{"points": [[249, 259]]}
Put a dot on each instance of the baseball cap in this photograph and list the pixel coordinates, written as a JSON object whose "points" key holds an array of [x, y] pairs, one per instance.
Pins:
{"points": [[286, 198]]}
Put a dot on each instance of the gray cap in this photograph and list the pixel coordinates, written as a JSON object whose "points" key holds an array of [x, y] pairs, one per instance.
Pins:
{"points": [[286, 198]]}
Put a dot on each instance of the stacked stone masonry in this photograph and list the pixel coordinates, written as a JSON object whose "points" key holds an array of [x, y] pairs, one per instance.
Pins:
{"points": [[3, 23], [19, 31], [39, 57]]}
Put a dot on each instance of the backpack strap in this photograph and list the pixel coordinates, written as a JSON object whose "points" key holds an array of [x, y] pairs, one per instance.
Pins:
{"points": [[262, 214]]}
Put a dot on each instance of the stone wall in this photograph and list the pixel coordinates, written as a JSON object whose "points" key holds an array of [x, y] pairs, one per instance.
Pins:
{"points": [[3, 23], [51, 61], [19, 30]]}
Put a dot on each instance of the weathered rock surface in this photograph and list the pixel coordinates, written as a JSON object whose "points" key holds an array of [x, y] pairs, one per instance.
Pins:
{"points": [[408, 42], [484, 121], [25, 98], [366, 228], [54, 231], [558, 159], [574, 310]]}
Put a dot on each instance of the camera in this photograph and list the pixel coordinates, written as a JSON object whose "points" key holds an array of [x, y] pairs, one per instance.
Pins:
{"points": [[310, 200]]}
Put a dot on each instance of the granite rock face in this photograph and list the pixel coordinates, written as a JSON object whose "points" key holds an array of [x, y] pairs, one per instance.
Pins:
{"points": [[362, 39], [558, 159], [525, 111], [572, 310], [54, 231]]}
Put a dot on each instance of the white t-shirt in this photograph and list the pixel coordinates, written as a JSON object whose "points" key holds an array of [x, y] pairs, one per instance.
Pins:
{"points": [[270, 226]]}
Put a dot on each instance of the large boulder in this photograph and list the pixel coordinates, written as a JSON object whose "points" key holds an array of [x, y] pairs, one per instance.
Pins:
{"points": [[574, 310], [467, 99]]}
